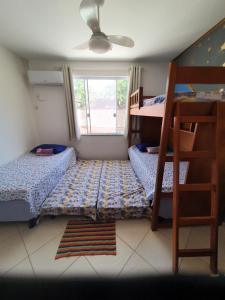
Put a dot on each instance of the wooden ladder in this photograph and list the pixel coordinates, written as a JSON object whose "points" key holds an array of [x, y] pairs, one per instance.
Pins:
{"points": [[212, 187]]}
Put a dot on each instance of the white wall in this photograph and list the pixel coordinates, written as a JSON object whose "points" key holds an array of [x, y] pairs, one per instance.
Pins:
{"points": [[51, 109], [51, 114], [17, 118]]}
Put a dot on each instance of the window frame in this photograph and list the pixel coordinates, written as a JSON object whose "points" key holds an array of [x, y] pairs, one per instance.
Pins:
{"points": [[99, 77]]}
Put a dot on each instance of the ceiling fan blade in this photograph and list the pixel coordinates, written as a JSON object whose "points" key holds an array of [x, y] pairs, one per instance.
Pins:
{"points": [[121, 40], [89, 10], [82, 46]]}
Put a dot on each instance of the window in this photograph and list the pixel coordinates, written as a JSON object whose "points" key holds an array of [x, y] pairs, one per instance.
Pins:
{"points": [[101, 104]]}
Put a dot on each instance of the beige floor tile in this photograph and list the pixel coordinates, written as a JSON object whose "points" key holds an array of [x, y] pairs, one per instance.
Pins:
{"points": [[156, 249], [80, 268], [110, 265], [8, 229], [36, 237], [12, 251], [132, 231], [199, 237], [23, 269], [137, 266], [183, 235], [194, 265], [44, 263]]}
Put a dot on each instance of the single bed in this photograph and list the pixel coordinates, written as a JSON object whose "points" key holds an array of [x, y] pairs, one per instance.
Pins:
{"points": [[77, 191], [26, 182], [145, 167], [121, 194]]}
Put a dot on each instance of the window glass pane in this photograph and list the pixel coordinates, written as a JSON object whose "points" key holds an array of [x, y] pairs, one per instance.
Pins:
{"points": [[102, 101], [101, 105]]}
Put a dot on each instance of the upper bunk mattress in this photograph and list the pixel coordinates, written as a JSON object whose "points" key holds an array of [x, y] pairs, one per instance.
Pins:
{"points": [[155, 100], [31, 178], [145, 167], [187, 97]]}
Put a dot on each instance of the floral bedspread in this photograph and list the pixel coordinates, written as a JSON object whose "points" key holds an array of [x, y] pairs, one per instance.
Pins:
{"points": [[99, 190]]}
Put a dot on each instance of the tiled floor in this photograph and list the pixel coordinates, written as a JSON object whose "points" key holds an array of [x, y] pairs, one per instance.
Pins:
{"points": [[31, 252]]}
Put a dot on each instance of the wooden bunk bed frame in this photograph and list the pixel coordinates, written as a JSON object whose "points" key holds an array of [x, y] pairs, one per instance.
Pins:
{"points": [[157, 124], [189, 128]]}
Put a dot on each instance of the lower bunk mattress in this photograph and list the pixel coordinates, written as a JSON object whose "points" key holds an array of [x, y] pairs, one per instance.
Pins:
{"points": [[26, 182], [99, 190], [145, 167]]}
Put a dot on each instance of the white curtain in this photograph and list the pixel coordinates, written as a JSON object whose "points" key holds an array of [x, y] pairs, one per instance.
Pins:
{"points": [[134, 83], [74, 130]]}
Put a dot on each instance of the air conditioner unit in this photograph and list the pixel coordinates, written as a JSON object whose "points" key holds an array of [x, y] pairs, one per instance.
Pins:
{"points": [[45, 77]]}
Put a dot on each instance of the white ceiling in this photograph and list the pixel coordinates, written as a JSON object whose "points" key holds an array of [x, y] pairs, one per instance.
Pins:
{"points": [[161, 29]]}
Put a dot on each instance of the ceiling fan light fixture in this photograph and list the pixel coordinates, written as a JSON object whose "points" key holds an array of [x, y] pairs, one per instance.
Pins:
{"points": [[99, 45]]}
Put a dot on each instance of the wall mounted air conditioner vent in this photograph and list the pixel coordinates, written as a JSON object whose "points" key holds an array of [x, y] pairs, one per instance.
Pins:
{"points": [[45, 77]]}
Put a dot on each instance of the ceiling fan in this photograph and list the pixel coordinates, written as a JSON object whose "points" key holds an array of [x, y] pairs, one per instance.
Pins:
{"points": [[99, 42]]}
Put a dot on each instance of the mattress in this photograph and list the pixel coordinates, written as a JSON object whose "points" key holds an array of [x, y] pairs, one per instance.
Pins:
{"points": [[30, 179], [121, 194], [77, 191], [145, 167], [99, 190], [186, 97], [155, 100]]}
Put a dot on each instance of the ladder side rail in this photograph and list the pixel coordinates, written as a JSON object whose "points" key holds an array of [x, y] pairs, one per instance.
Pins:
{"points": [[214, 197], [165, 129], [175, 204]]}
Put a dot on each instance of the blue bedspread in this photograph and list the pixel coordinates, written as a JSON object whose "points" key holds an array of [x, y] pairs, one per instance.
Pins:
{"points": [[31, 178], [145, 167]]}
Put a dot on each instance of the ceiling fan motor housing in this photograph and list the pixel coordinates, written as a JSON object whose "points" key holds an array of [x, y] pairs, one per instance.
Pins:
{"points": [[99, 43]]}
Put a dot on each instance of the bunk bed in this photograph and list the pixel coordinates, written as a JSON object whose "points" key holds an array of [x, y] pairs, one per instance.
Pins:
{"points": [[192, 129]]}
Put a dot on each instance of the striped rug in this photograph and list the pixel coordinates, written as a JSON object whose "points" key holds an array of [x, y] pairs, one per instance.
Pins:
{"points": [[82, 238]]}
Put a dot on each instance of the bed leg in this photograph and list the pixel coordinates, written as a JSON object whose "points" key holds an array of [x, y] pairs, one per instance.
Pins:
{"points": [[33, 222]]}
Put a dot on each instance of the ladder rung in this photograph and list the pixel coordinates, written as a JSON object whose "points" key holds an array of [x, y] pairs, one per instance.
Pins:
{"points": [[188, 221], [195, 252], [197, 119], [195, 187], [195, 154]]}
